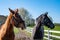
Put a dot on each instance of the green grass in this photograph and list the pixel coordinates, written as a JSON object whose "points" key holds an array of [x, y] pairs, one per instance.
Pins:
{"points": [[16, 30], [56, 34], [55, 38], [57, 28]]}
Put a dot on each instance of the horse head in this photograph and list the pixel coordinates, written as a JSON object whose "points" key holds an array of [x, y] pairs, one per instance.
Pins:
{"points": [[16, 20], [45, 20]]}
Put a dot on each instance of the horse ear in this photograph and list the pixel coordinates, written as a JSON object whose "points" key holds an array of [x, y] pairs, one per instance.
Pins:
{"points": [[11, 11], [46, 13], [16, 10]]}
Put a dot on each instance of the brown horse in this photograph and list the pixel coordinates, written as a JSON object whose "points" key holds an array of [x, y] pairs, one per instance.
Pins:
{"points": [[14, 19]]}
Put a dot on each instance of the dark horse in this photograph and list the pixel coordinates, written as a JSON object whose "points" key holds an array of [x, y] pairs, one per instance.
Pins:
{"points": [[38, 31], [14, 19]]}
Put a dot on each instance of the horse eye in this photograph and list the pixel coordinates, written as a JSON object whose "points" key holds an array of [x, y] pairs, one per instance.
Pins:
{"points": [[16, 15], [48, 23]]}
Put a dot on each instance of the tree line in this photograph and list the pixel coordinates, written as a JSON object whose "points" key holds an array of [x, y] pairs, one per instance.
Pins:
{"points": [[27, 17]]}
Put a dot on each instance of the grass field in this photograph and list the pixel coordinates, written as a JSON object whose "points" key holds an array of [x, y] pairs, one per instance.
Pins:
{"points": [[21, 34], [57, 28]]}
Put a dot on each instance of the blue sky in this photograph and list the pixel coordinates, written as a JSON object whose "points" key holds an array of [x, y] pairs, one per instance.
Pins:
{"points": [[34, 7]]}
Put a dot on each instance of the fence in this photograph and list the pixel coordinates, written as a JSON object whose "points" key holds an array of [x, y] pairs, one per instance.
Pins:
{"points": [[48, 33]]}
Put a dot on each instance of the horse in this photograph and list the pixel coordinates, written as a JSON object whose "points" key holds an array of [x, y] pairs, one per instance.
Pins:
{"points": [[13, 20], [38, 30]]}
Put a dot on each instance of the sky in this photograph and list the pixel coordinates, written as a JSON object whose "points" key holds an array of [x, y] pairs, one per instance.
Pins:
{"points": [[34, 7]]}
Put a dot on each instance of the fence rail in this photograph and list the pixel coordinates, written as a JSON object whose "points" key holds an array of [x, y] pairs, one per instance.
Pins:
{"points": [[52, 31]]}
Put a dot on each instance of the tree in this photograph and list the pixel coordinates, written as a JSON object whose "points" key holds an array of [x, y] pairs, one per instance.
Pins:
{"points": [[2, 19], [26, 16]]}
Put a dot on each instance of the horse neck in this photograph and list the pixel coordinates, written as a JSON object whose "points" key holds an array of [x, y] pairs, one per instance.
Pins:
{"points": [[38, 27], [6, 26], [7, 22], [38, 31]]}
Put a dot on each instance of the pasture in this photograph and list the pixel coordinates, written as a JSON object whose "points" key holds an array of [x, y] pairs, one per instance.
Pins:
{"points": [[57, 28]]}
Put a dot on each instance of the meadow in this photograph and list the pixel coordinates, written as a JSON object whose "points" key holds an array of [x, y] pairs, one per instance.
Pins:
{"points": [[57, 28]]}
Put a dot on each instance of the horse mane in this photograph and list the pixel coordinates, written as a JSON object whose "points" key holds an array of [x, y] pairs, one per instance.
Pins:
{"points": [[37, 29]]}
